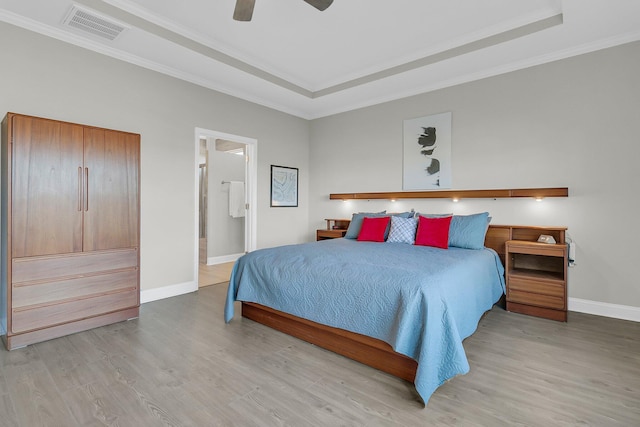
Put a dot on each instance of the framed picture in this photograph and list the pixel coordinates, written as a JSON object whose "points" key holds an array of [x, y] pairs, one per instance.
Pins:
{"points": [[284, 186], [427, 153]]}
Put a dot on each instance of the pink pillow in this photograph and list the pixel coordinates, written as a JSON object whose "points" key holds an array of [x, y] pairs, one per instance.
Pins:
{"points": [[433, 232], [373, 229]]}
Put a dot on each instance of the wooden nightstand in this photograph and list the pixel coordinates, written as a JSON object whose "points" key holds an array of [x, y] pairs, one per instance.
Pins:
{"points": [[335, 228], [536, 277]]}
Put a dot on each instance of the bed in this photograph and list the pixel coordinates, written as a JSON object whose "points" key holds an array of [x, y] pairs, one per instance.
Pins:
{"points": [[400, 308]]}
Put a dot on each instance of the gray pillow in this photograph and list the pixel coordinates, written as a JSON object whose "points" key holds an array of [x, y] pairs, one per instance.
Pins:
{"points": [[356, 223]]}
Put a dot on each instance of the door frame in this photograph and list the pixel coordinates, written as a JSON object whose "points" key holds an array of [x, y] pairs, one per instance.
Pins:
{"points": [[251, 181]]}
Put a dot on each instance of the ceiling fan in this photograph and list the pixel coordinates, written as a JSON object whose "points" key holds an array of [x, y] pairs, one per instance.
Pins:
{"points": [[244, 8]]}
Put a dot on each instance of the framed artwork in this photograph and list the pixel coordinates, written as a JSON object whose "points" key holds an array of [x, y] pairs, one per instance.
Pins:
{"points": [[427, 153], [284, 186]]}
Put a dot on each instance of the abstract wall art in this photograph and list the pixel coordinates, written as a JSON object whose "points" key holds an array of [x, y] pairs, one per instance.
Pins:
{"points": [[427, 152], [284, 186]]}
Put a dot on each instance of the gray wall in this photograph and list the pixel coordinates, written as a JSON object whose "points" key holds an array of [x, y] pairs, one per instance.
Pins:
{"points": [[225, 235], [44, 77], [571, 123]]}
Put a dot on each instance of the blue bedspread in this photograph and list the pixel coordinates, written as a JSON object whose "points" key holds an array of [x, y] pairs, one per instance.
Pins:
{"points": [[423, 301]]}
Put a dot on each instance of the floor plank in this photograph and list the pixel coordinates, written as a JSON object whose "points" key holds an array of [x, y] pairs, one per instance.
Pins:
{"points": [[179, 364], [214, 274]]}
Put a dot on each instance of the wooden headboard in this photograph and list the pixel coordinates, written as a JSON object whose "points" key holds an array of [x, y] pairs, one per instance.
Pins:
{"points": [[497, 235]]}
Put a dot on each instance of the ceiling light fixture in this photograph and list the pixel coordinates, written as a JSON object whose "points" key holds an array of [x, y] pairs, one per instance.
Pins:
{"points": [[244, 8]]}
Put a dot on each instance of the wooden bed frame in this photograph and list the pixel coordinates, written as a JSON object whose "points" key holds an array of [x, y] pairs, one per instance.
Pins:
{"points": [[370, 351]]}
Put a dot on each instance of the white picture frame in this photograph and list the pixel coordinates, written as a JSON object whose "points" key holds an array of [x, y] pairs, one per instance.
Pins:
{"points": [[427, 152]]}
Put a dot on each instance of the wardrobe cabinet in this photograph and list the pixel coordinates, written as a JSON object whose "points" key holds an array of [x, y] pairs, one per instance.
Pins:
{"points": [[70, 228]]}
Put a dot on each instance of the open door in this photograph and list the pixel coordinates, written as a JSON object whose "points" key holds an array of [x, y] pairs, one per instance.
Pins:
{"points": [[230, 153]]}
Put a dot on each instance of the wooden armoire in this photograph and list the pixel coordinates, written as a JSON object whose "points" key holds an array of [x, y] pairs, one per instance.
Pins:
{"points": [[70, 228]]}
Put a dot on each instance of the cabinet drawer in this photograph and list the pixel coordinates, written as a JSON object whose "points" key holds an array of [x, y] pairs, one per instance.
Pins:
{"points": [[537, 286], [49, 292], [69, 265], [29, 318], [539, 300]]}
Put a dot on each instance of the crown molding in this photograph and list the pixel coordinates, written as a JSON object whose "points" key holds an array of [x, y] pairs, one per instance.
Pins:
{"points": [[350, 98]]}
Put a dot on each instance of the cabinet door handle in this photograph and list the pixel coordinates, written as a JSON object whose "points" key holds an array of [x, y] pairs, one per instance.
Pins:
{"points": [[86, 191], [80, 188]]}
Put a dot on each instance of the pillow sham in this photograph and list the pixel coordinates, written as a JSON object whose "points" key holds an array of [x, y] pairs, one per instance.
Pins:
{"points": [[433, 232], [356, 223], [468, 231], [403, 214], [402, 230], [373, 229], [429, 215]]}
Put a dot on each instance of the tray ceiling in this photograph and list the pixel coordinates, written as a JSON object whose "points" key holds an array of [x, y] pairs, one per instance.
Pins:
{"points": [[357, 53]]}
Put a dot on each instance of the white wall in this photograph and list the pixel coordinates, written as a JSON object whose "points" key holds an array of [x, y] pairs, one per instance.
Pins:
{"points": [[44, 77], [572, 123]]}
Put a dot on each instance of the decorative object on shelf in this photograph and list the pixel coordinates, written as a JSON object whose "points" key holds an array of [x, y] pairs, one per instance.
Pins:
{"points": [[536, 193], [427, 152], [284, 186], [545, 238]]}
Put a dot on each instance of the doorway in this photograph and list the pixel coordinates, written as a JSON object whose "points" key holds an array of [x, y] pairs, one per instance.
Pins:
{"points": [[226, 171]]}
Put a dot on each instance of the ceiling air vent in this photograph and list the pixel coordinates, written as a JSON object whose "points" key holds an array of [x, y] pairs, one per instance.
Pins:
{"points": [[91, 22]]}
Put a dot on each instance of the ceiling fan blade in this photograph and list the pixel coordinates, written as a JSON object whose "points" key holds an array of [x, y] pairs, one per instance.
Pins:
{"points": [[243, 10], [320, 4]]}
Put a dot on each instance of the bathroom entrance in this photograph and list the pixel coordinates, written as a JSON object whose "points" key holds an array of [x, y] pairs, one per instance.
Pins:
{"points": [[226, 220]]}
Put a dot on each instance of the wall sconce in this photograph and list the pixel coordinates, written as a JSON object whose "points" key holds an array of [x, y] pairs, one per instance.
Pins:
{"points": [[539, 199], [455, 200], [393, 200]]}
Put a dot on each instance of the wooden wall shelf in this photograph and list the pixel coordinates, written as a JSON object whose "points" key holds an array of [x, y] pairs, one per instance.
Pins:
{"points": [[536, 193]]}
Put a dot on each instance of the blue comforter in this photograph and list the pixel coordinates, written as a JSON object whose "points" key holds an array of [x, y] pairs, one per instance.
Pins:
{"points": [[423, 301]]}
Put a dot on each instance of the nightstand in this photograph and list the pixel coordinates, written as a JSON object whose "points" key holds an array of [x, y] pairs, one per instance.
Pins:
{"points": [[536, 278], [336, 228]]}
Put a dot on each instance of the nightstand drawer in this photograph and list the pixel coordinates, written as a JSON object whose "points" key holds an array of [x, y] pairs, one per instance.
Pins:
{"points": [[537, 287], [539, 300]]}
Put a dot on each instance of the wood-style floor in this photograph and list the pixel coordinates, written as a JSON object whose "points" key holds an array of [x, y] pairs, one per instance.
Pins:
{"points": [[214, 274], [179, 364]]}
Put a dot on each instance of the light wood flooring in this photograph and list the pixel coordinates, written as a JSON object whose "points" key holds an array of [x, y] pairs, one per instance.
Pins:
{"points": [[179, 364], [214, 274]]}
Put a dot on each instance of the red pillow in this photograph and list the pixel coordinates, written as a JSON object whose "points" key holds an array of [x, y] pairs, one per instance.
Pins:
{"points": [[433, 232], [373, 229]]}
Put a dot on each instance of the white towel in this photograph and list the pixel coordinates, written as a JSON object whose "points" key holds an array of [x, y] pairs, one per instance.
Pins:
{"points": [[236, 199]]}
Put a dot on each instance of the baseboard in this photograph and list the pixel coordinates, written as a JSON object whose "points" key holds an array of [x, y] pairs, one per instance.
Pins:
{"points": [[222, 259], [167, 291], [617, 311]]}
